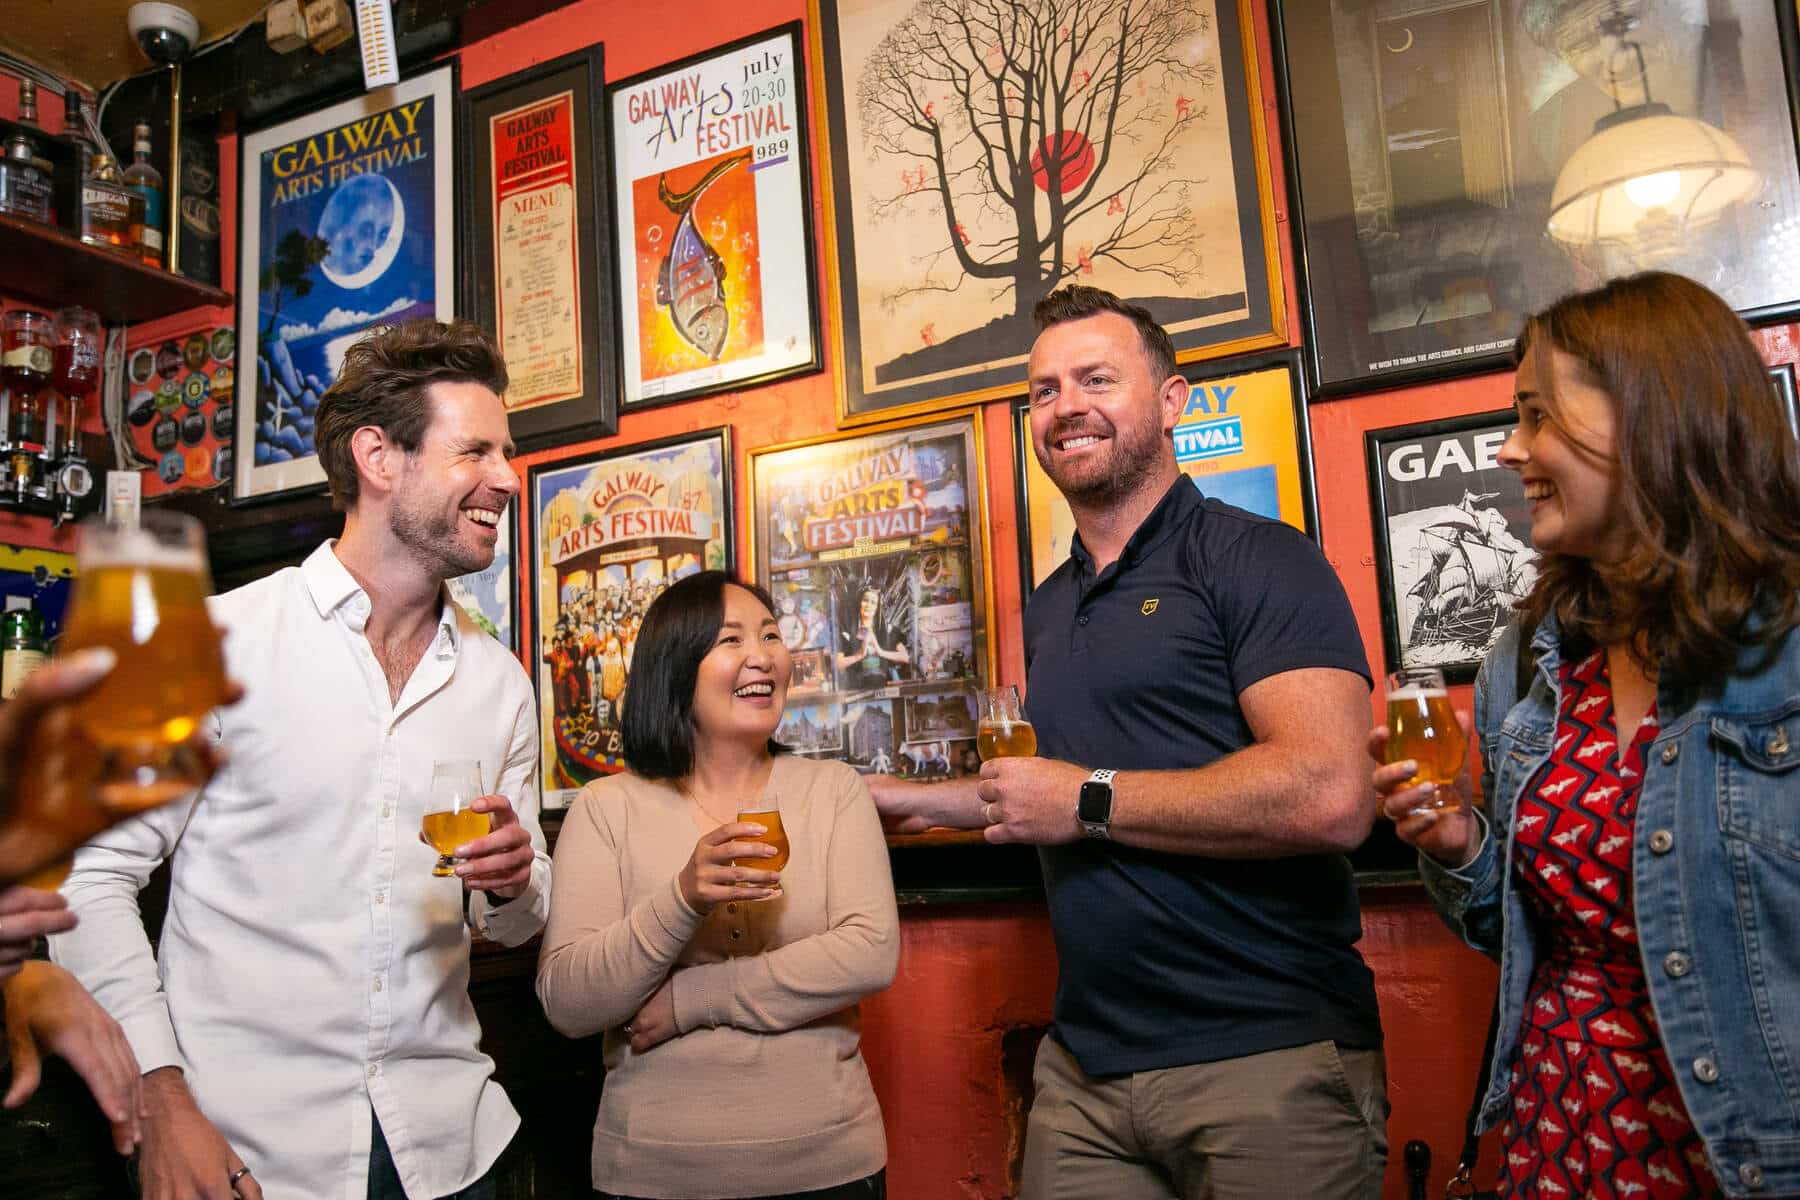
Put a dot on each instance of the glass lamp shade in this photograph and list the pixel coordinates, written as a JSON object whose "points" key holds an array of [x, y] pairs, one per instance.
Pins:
{"points": [[1645, 167]]}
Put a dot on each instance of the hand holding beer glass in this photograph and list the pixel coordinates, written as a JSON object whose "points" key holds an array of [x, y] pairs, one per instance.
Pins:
{"points": [[449, 821], [1423, 727], [763, 810], [1001, 730]]}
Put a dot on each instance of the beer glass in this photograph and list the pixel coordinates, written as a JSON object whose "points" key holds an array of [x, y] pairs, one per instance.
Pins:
{"points": [[1002, 730], [1422, 727], [765, 812], [141, 591], [455, 783]]}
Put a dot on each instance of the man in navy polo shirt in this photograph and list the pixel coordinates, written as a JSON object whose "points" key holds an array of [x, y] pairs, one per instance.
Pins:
{"points": [[1200, 695]]}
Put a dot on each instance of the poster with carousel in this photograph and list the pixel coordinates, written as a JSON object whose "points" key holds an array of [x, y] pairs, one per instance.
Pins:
{"points": [[609, 531], [874, 548]]}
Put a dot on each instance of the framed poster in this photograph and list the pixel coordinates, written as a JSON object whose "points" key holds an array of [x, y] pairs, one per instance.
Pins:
{"points": [[1105, 142], [715, 244], [179, 415], [489, 596], [1459, 165], [609, 531], [347, 221], [1783, 378], [538, 270], [874, 547], [1452, 539], [1243, 439]]}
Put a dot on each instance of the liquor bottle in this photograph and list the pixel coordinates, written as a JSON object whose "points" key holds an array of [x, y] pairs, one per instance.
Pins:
{"points": [[22, 648], [147, 182], [75, 131], [26, 186], [110, 212]]}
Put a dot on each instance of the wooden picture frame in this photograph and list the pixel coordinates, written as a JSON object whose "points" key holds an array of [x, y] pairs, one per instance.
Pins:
{"points": [[1430, 146], [874, 545], [1161, 193], [347, 220], [537, 242], [1452, 539], [608, 532], [1245, 439], [714, 238]]}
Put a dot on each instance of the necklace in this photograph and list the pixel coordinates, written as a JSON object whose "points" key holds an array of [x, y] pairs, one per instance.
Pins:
{"points": [[682, 787]]}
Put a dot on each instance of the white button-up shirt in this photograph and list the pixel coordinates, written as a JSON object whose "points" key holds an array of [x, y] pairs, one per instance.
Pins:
{"points": [[311, 967]]}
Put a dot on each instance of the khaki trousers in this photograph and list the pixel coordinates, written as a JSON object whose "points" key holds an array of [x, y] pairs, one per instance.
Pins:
{"points": [[1304, 1121]]}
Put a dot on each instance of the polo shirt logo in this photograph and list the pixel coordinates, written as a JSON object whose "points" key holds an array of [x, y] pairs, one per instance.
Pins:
{"points": [[1149, 606]]}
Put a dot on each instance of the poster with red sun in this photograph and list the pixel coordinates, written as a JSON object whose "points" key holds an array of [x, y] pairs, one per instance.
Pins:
{"points": [[714, 237], [1117, 144]]}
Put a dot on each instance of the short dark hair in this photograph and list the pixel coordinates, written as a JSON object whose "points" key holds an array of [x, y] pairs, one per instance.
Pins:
{"points": [[383, 382], [656, 721], [1078, 303]]}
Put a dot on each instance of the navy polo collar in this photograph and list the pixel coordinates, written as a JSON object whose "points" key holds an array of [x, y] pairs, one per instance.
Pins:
{"points": [[1170, 514]]}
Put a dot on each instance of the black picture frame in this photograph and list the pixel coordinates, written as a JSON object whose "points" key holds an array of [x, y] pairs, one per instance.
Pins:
{"points": [[1459, 561], [644, 467], [1034, 494], [1782, 376], [1421, 236], [593, 411], [795, 229]]}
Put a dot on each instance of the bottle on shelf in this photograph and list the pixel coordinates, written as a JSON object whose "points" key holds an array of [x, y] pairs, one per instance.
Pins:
{"points": [[75, 131], [111, 213], [22, 648], [147, 182], [27, 188]]}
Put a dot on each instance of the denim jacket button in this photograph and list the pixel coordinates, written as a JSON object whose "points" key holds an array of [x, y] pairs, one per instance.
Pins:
{"points": [[1706, 1070], [1670, 753], [1751, 1174], [1661, 841], [1677, 964]]}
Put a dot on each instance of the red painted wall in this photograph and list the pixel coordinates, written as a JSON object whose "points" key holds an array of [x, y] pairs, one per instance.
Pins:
{"points": [[969, 974]]}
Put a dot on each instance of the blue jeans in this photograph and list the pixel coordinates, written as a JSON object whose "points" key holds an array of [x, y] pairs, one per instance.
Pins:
{"points": [[384, 1179]]}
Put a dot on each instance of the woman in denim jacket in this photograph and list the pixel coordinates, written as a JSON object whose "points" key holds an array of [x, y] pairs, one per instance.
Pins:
{"points": [[1638, 873]]}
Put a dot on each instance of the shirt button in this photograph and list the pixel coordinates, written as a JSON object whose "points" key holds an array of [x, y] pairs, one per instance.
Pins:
{"points": [[387, 811], [380, 898], [374, 1070], [1670, 753], [1706, 1070], [1676, 964], [1661, 842], [378, 985], [1751, 1174], [1082, 619]]}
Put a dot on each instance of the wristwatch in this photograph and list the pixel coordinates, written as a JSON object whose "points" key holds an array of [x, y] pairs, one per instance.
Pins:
{"points": [[1094, 808]]}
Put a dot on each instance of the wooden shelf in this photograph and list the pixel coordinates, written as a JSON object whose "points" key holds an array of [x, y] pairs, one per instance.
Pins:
{"points": [[46, 266]]}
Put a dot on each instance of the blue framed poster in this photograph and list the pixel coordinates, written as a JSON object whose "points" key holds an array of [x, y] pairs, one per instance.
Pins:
{"points": [[347, 221]]}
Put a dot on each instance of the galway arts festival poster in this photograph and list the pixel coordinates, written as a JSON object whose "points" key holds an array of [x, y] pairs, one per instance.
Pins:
{"points": [[348, 224]]}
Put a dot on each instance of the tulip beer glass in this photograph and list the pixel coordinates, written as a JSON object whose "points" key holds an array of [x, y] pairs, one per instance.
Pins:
{"points": [[1002, 730], [765, 812], [141, 591], [449, 823], [1422, 727]]}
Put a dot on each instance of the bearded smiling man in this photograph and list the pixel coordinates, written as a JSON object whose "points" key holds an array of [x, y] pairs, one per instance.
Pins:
{"points": [[305, 1028], [1200, 694]]}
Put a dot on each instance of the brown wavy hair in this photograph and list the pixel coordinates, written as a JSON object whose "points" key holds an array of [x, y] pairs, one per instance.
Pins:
{"points": [[1709, 489]]}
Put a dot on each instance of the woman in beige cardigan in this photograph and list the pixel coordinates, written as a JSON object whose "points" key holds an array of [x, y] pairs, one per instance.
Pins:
{"points": [[730, 1006]]}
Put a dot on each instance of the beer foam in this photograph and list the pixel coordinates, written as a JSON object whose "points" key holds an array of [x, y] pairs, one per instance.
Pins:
{"points": [[115, 547], [1413, 691]]}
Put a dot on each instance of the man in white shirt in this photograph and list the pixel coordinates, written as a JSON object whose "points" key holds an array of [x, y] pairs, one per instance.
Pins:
{"points": [[305, 1027]]}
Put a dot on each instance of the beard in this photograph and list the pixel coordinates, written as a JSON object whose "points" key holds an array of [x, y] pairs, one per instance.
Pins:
{"points": [[435, 541], [1132, 460]]}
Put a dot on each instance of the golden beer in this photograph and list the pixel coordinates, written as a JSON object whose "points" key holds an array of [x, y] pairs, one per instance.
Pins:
{"points": [[448, 830], [141, 592], [773, 835], [1422, 726], [1005, 739]]}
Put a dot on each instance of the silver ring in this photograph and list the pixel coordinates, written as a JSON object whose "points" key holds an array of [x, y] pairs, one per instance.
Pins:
{"points": [[627, 1031], [238, 1174], [987, 812]]}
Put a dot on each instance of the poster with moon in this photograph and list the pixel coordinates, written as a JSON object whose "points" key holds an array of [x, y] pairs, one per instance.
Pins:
{"points": [[978, 163], [348, 223]]}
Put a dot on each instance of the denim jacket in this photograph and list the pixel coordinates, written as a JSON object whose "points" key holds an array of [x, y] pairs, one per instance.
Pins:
{"points": [[1715, 865]]}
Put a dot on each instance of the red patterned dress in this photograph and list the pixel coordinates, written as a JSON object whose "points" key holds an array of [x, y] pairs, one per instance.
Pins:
{"points": [[1595, 1109]]}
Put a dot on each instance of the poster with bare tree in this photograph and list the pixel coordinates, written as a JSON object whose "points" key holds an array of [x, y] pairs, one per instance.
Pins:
{"points": [[983, 153]]}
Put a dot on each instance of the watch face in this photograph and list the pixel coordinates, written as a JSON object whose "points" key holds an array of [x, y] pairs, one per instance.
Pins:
{"points": [[1096, 802]]}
